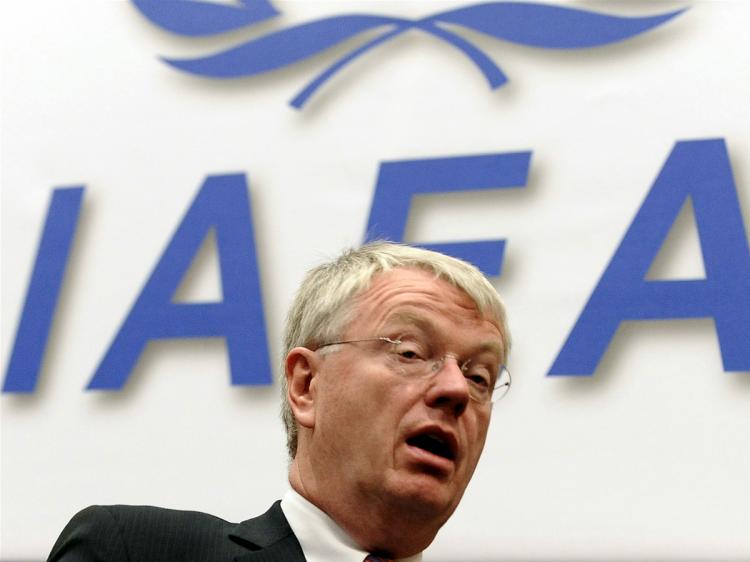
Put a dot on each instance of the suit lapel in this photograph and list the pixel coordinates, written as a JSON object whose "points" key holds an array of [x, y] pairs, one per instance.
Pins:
{"points": [[268, 538], [286, 550]]}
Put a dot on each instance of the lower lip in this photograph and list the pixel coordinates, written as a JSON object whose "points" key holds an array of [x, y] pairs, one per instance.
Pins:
{"points": [[433, 463]]}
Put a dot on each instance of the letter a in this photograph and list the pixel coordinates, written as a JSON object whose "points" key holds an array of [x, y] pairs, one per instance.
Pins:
{"points": [[700, 170], [222, 204]]}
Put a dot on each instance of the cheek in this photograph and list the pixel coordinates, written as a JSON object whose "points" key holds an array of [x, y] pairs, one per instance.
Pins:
{"points": [[477, 436], [364, 406], [350, 412]]}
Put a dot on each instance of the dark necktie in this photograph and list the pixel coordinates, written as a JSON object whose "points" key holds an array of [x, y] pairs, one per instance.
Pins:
{"points": [[374, 558]]}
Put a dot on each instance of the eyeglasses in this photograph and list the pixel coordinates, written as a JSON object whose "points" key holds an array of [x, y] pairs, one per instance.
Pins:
{"points": [[486, 382]]}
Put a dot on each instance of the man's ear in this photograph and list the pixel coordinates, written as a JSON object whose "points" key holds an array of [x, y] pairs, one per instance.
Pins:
{"points": [[301, 368]]}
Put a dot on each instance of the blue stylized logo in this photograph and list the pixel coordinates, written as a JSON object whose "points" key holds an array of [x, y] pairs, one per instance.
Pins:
{"points": [[525, 23]]}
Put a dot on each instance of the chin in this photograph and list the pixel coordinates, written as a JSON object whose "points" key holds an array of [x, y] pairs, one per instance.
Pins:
{"points": [[426, 496]]}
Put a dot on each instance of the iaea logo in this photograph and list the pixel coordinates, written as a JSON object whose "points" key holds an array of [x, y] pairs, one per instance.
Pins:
{"points": [[525, 23]]}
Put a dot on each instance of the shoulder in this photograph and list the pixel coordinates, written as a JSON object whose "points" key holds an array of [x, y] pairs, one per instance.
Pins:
{"points": [[121, 532], [156, 520], [133, 516]]}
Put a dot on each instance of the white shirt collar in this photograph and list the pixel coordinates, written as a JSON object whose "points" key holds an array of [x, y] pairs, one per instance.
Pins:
{"points": [[321, 539]]}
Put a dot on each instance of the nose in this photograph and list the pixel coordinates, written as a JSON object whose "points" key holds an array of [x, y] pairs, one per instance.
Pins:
{"points": [[448, 388]]}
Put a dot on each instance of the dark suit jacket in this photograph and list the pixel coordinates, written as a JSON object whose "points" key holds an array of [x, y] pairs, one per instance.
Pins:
{"points": [[139, 534]]}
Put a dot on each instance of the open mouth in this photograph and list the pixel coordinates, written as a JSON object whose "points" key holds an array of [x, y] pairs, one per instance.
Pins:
{"points": [[434, 443]]}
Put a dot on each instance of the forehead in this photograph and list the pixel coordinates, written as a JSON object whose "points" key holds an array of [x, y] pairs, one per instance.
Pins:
{"points": [[407, 284], [417, 298]]}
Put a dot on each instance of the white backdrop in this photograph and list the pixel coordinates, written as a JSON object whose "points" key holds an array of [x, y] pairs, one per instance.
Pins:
{"points": [[648, 459]]}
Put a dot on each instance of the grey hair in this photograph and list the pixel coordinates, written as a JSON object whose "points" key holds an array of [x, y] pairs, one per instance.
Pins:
{"points": [[323, 307]]}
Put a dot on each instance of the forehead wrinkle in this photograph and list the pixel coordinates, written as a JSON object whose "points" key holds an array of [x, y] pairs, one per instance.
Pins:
{"points": [[383, 294], [411, 319], [438, 296]]}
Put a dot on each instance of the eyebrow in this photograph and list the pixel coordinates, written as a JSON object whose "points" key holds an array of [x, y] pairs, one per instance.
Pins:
{"points": [[412, 319], [423, 324]]}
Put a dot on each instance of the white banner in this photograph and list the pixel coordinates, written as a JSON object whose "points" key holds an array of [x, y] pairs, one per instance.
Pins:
{"points": [[648, 458]]}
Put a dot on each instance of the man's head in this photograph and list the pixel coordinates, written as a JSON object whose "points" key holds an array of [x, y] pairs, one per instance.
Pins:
{"points": [[391, 353]]}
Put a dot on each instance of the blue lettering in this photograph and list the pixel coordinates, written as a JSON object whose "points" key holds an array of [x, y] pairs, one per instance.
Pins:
{"points": [[700, 170], [400, 180], [221, 204], [44, 289]]}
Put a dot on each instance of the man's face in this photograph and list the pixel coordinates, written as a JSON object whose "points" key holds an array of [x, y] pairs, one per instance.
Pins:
{"points": [[408, 444]]}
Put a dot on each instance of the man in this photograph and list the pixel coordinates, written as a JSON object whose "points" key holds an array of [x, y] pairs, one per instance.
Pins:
{"points": [[393, 356]]}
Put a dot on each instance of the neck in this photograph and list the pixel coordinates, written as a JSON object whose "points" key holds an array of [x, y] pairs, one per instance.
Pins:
{"points": [[375, 525]]}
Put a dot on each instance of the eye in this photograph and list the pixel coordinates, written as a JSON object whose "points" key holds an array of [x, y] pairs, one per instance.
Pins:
{"points": [[409, 351], [480, 381], [478, 375]]}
